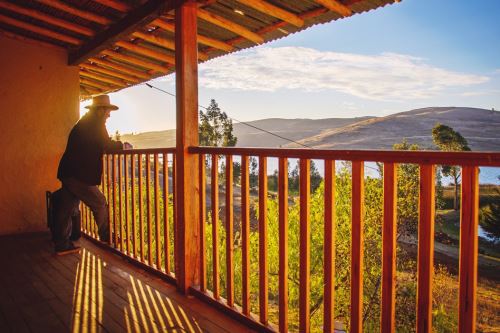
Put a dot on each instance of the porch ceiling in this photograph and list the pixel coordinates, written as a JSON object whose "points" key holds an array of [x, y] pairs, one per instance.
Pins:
{"points": [[118, 44]]}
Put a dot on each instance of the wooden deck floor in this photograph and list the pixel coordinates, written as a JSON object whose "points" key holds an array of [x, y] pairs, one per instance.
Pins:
{"points": [[93, 291]]}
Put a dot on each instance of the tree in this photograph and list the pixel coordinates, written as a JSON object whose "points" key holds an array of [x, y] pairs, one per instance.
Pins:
{"points": [[447, 139], [490, 217], [216, 129]]}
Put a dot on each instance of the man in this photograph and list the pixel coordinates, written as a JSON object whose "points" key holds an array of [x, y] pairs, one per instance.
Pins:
{"points": [[80, 172]]}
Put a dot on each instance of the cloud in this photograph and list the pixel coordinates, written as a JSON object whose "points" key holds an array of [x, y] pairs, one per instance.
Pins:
{"points": [[387, 76]]}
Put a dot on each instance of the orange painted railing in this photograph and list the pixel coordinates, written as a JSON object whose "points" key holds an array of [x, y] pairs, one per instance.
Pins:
{"points": [[136, 186], [134, 196]]}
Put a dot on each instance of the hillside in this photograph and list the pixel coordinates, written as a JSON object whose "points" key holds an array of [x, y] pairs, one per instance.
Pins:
{"points": [[479, 126]]}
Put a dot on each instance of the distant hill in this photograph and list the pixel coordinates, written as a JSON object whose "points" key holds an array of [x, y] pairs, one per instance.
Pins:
{"points": [[480, 127]]}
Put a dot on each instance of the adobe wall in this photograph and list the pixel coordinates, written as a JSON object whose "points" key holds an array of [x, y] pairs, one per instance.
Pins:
{"points": [[39, 102]]}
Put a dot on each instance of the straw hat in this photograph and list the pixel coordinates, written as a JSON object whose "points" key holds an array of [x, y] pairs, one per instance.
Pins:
{"points": [[102, 101]]}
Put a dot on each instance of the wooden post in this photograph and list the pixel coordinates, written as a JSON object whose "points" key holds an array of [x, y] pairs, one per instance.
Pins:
{"points": [[187, 182]]}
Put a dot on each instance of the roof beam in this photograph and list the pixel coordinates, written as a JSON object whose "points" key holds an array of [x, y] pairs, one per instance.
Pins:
{"points": [[118, 5], [110, 72], [137, 61], [101, 78], [89, 89], [215, 43], [121, 68], [229, 25], [46, 18], [39, 30], [163, 42], [163, 57], [272, 10], [98, 85], [336, 6], [77, 12], [136, 18]]}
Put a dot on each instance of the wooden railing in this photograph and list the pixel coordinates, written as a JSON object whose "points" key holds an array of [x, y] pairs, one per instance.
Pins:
{"points": [[134, 195], [137, 187]]}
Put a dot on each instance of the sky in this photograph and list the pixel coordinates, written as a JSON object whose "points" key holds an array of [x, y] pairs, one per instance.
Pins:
{"points": [[412, 54]]}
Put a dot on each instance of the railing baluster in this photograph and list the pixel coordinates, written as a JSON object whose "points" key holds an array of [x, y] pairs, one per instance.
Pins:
{"points": [[115, 226], [263, 263], [157, 211], [165, 214], [141, 210], [215, 222], [245, 235], [132, 185], [203, 211], [425, 248], [468, 249], [229, 231], [305, 245], [283, 243], [329, 247], [108, 185], [127, 230], [389, 249], [174, 187], [357, 247], [148, 209], [120, 199]]}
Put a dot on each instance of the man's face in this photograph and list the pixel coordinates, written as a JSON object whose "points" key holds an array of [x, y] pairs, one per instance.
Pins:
{"points": [[104, 112]]}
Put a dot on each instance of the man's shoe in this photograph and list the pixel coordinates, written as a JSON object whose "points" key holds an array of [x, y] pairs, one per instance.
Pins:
{"points": [[68, 250]]}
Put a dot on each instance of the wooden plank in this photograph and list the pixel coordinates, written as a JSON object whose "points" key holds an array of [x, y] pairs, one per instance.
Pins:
{"points": [[229, 232], [136, 18], [114, 205], [47, 18], [133, 205], [118, 5], [163, 42], [329, 248], [305, 246], [121, 68], [89, 16], [358, 180], [229, 25], [215, 222], [120, 201], [39, 30], [141, 210], [109, 185], [142, 50], [137, 61], [157, 211], [149, 218], [203, 213], [283, 243], [102, 78], [336, 6], [187, 183], [215, 43], [388, 313], [109, 72], [425, 270], [272, 10], [96, 85], [245, 236], [468, 250], [166, 231], [263, 261]]}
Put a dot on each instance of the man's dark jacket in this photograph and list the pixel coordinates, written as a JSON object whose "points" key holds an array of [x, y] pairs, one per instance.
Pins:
{"points": [[87, 143]]}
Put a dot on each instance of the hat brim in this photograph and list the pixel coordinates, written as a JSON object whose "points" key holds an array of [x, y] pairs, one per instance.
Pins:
{"points": [[107, 106]]}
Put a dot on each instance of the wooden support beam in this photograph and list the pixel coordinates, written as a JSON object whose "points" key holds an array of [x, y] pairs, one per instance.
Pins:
{"points": [[272, 10], [187, 182], [163, 42], [46, 18], [137, 61], [139, 17], [39, 30], [215, 43], [98, 85], [77, 12], [101, 78], [118, 5], [230, 25], [336, 6], [120, 67], [109, 72], [90, 90], [156, 55]]}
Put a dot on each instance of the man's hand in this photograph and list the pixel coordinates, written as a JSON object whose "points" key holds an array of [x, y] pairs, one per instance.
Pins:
{"points": [[127, 145]]}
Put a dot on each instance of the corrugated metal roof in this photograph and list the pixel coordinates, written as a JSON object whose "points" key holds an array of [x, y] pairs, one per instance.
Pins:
{"points": [[131, 60]]}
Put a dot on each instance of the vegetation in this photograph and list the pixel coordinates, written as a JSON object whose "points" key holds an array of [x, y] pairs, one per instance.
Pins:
{"points": [[216, 129]]}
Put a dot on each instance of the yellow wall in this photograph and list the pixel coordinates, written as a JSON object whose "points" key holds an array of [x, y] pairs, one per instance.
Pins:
{"points": [[38, 106]]}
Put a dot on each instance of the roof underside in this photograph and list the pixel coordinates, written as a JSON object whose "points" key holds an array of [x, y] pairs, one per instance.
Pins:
{"points": [[118, 44]]}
